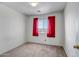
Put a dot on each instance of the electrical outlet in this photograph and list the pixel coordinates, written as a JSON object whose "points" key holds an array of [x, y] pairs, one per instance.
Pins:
{"points": [[45, 40]]}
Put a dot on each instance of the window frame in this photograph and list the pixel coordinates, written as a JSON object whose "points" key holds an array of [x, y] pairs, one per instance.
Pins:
{"points": [[43, 30]]}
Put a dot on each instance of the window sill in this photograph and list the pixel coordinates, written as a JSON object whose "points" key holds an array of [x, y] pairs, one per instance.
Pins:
{"points": [[42, 32]]}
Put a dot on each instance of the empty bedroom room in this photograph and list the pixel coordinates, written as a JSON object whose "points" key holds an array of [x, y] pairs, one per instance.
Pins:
{"points": [[39, 29]]}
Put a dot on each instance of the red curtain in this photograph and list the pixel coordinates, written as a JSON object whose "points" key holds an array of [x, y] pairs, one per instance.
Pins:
{"points": [[35, 27], [51, 26]]}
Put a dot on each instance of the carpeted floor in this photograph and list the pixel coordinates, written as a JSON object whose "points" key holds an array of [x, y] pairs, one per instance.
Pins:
{"points": [[35, 50]]}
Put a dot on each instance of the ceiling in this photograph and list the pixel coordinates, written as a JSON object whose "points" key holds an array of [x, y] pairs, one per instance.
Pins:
{"points": [[44, 7]]}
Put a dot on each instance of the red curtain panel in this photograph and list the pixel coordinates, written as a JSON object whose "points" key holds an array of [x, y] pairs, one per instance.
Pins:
{"points": [[35, 27], [51, 26]]}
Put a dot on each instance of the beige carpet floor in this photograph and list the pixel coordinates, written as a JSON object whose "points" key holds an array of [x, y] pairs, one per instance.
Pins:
{"points": [[35, 50]]}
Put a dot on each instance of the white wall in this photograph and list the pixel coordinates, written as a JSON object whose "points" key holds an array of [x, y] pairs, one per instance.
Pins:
{"points": [[12, 29], [71, 14], [58, 40]]}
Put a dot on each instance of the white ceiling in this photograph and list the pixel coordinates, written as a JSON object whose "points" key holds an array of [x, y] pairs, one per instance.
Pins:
{"points": [[44, 7]]}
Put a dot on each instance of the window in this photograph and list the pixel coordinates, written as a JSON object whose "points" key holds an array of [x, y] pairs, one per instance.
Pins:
{"points": [[42, 25]]}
